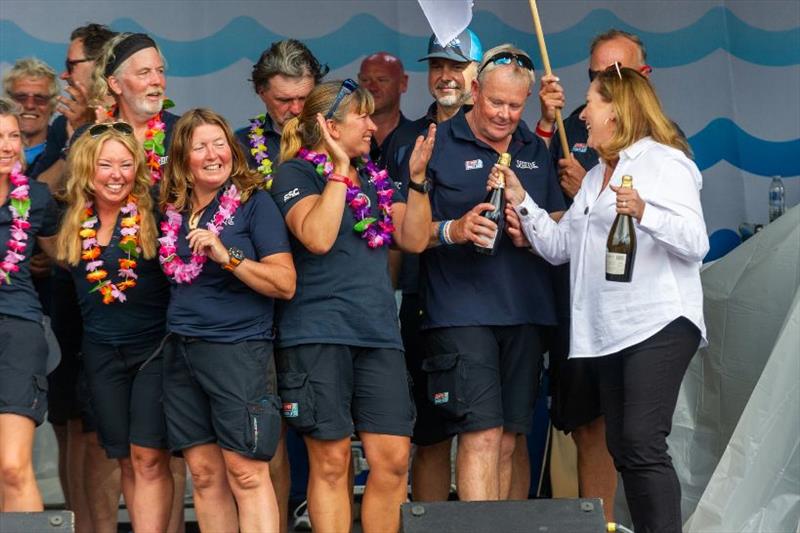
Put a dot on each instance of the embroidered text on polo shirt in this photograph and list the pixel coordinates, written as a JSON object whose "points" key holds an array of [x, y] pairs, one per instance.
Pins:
{"points": [[291, 194], [528, 165]]}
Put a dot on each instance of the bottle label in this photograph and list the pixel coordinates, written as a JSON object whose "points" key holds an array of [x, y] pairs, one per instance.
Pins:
{"points": [[615, 263], [490, 245]]}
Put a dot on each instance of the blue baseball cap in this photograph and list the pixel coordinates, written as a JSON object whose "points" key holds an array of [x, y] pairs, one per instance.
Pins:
{"points": [[466, 47]]}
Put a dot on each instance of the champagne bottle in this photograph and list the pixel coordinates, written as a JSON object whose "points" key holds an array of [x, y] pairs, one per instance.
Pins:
{"points": [[497, 198], [621, 245]]}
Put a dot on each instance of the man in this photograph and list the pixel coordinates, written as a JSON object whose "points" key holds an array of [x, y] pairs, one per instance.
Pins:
{"points": [[483, 316], [33, 85], [575, 398], [451, 69], [283, 77]]}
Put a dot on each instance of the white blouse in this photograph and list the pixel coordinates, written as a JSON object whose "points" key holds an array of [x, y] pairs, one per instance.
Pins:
{"points": [[671, 241]]}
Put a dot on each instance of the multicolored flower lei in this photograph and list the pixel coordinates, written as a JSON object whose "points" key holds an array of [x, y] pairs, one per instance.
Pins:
{"points": [[172, 265], [258, 148], [129, 243], [154, 147], [376, 231], [20, 211]]}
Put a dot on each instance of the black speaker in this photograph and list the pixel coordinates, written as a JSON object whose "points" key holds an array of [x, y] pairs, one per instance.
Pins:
{"points": [[529, 516], [46, 522]]}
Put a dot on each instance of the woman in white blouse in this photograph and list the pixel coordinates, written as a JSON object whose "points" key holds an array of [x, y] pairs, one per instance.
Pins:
{"points": [[642, 333]]}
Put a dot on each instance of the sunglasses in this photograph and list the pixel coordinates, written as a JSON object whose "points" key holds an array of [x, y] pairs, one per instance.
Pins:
{"points": [[644, 70], [23, 98], [70, 63], [348, 87], [122, 127], [505, 58]]}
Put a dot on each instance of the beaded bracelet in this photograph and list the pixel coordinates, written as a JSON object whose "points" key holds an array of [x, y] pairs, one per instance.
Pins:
{"points": [[446, 233]]}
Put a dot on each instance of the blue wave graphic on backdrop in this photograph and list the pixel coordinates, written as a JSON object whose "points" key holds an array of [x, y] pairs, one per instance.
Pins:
{"points": [[244, 37], [723, 140]]}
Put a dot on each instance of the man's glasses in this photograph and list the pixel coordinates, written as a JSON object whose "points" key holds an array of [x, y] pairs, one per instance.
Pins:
{"points": [[23, 98], [70, 63], [644, 70], [505, 58], [121, 127], [348, 87]]}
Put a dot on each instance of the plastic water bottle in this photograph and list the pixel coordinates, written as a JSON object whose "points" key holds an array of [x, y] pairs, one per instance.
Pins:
{"points": [[777, 198]]}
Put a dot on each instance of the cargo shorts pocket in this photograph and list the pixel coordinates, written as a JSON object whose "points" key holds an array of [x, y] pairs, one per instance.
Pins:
{"points": [[297, 400], [446, 384], [263, 427], [39, 402]]}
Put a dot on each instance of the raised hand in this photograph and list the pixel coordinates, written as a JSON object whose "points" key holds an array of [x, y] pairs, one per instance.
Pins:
{"points": [[551, 97], [338, 156], [423, 149], [75, 107]]}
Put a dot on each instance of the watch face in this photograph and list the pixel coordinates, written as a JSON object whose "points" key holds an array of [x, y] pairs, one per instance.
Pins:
{"points": [[236, 253]]}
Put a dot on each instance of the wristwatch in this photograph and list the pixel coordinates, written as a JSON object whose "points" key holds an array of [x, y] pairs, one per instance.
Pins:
{"points": [[424, 187], [236, 256]]}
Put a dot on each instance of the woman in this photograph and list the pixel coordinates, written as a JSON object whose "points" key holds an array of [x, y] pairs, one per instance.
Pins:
{"points": [[108, 238], [340, 357], [642, 333], [27, 217], [226, 253]]}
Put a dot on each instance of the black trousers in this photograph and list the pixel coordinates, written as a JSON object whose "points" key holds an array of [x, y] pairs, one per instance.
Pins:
{"points": [[638, 392]]}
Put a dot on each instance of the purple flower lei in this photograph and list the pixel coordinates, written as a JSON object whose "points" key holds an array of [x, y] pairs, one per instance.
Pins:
{"points": [[258, 148], [377, 231]]}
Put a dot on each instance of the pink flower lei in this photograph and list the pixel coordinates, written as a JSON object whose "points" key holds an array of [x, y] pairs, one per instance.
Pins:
{"points": [[172, 265], [377, 231], [20, 211]]}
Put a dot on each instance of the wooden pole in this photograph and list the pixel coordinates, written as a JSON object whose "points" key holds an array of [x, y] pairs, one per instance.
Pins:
{"points": [[537, 24]]}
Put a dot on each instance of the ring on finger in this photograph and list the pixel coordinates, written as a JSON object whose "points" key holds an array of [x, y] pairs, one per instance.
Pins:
{"points": [[624, 203]]}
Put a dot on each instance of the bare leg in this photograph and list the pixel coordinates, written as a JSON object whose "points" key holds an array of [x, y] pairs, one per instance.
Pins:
{"points": [[328, 485], [152, 489], [213, 499], [387, 484], [17, 480], [430, 472], [279, 475], [254, 494], [597, 476], [507, 446], [520, 485], [102, 486], [176, 520], [477, 464]]}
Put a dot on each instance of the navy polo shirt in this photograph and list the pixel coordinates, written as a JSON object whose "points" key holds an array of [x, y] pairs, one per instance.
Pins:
{"points": [[389, 154], [344, 296], [19, 299], [56, 141], [143, 314], [216, 306], [273, 138], [459, 286]]}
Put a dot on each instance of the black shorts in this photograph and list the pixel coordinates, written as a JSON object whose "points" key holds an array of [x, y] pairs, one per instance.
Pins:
{"points": [[125, 385], [574, 391], [23, 362], [480, 377], [221, 393], [330, 390], [67, 325], [429, 427]]}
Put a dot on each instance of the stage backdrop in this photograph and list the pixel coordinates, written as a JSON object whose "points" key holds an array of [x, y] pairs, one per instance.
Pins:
{"points": [[728, 71]]}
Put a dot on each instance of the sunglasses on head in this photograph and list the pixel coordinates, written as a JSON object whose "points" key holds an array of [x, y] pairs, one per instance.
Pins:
{"points": [[348, 87], [69, 64], [505, 58], [122, 127], [38, 99], [644, 70]]}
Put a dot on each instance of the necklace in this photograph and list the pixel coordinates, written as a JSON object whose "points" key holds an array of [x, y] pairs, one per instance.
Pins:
{"points": [[258, 148], [129, 243], [172, 265], [154, 146], [377, 231], [20, 211]]}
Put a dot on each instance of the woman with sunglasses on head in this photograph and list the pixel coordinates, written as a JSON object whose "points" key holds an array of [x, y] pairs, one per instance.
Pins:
{"points": [[27, 217], [226, 253], [108, 239], [340, 359], [641, 334]]}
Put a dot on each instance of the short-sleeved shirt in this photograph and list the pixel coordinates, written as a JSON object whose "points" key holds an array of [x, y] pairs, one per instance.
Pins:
{"points": [[19, 299], [56, 141], [143, 314], [344, 296], [271, 135], [459, 286], [216, 306]]}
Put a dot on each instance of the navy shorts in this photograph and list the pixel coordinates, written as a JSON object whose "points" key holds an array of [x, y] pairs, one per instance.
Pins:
{"points": [[480, 377], [125, 385], [330, 390], [221, 393], [65, 403], [23, 362]]}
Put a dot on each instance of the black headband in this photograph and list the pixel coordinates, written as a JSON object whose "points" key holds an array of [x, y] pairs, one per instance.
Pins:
{"points": [[126, 48]]}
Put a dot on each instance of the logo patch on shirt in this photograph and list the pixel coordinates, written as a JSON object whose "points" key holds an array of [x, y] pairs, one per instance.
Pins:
{"points": [[440, 398], [528, 165], [291, 194], [290, 410], [475, 164], [579, 148]]}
